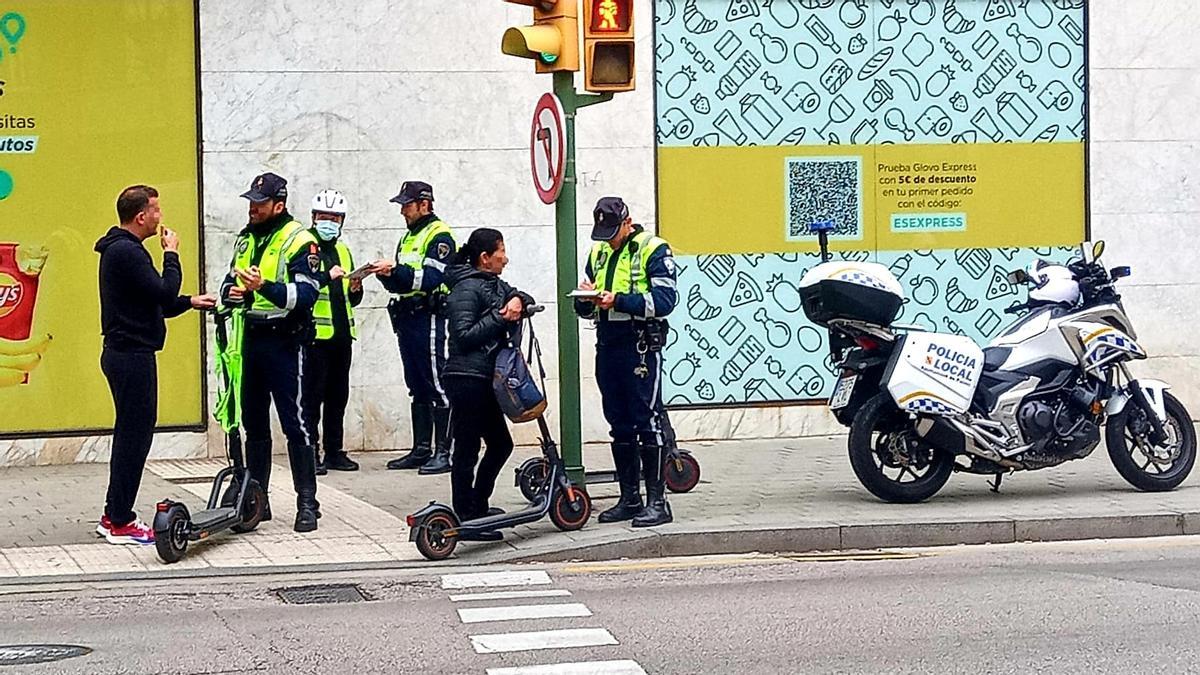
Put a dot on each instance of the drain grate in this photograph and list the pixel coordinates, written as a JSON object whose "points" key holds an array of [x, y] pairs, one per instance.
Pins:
{"points": [[24, 655], [324, 594]]}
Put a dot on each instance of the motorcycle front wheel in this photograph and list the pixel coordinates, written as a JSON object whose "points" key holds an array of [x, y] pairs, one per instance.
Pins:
{"points": [[1147, 467], [888, 457]]}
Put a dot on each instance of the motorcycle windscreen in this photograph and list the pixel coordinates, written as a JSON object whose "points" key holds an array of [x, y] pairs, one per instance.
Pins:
{"points": [[935, 374]]}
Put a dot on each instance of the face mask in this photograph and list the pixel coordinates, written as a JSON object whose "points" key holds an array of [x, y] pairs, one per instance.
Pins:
{"points": [[328, 230]]}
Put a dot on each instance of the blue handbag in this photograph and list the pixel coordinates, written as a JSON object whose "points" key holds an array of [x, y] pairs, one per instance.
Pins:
{"points": [[516, 390]]}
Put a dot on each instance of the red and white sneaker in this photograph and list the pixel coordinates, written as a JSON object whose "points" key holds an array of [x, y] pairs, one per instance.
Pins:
{"points": [[134, 533]]}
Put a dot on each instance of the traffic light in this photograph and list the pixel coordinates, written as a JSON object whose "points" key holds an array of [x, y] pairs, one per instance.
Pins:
{"points": [[553, 41], [608, 45]]}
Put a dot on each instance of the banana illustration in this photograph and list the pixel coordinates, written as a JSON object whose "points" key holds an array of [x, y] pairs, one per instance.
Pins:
{"points": [[31, 346], [10, 377], [22, 362]]}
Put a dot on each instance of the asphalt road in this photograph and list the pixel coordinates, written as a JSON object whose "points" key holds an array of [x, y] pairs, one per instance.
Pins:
{"points": [[1088, 607]]}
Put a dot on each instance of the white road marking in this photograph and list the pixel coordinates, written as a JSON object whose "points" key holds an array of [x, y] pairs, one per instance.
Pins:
{"points": [[515, 612], [495, 579], [511, 595], [546, 639], [588, 668]]}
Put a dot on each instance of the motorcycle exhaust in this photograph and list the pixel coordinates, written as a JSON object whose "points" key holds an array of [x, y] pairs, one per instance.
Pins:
{"points": [[956, 437]]}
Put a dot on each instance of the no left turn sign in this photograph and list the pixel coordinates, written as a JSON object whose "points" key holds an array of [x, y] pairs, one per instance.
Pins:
{"points": [[547, 148]]}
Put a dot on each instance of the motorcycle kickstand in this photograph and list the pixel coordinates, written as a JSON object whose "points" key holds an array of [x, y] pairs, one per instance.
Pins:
{"points": [[996, 483]]}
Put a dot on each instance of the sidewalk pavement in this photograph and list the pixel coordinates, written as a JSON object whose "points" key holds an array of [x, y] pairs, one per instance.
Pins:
{"points": [[779, 495]]}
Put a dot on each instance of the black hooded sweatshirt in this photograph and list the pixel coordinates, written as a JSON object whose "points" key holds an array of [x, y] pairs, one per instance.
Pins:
{"points": [[134, 299]]}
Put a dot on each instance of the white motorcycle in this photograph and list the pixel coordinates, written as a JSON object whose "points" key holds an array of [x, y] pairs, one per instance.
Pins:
{"points": [[921, 405]]}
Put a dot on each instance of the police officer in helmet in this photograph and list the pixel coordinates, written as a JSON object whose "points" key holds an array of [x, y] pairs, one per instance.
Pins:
{"points": [[275, 277], [415, 280], [327, 360], [634, 273]]}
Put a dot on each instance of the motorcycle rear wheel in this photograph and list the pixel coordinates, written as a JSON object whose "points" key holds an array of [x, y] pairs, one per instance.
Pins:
{"points": [[1152, 469], [883, 442]]}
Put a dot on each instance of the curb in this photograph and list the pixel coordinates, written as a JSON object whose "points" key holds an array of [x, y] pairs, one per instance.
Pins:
{"points": [[600, 545], [833, 537]]}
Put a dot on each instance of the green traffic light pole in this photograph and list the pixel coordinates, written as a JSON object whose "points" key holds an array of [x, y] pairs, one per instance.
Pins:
{"points": [[567, 264]]}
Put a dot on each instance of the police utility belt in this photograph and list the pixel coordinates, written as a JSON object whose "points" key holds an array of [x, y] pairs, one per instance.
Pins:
{"points": [[651, 334], [409, 305]]}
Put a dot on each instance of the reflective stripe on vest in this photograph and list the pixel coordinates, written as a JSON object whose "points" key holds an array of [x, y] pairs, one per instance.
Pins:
{"points": [[627, 273], [411, 253], [323, 310], [283, 245]]}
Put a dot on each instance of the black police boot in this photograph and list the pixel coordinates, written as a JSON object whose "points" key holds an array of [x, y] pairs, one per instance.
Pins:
{"points": [[304, 479], [440, 463], [258, 461], [338, 460], [625, 457], [657, 511], [320, 463], [422, 424]]}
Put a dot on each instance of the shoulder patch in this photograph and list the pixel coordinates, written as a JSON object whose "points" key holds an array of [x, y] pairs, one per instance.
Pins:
{"points": [[601, 258], [314, 262], [443, 250], [243, 244]]}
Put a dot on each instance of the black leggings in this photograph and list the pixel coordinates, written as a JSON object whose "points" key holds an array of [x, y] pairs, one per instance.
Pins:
{"points": [[475, 415]]}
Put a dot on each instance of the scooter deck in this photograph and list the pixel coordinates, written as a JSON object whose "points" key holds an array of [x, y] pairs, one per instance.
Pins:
{"points": [[503, 520], [204, 520]]}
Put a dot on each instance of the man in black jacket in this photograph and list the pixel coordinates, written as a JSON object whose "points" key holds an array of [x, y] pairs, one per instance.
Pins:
{"points": [[134, 303]]}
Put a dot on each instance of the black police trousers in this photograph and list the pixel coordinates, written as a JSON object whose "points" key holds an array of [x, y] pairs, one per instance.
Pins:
{"points": [[631, 396], [422, 338], [273, 370], [327, 390]]}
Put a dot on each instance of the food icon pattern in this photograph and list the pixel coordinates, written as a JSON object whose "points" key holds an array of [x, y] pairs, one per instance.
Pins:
{"points": [[815, 72], [740, 335]]}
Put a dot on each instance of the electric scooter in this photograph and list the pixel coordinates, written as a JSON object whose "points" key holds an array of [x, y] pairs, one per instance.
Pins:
{"points": [[436, 529], [242, 505], [680, 468]]}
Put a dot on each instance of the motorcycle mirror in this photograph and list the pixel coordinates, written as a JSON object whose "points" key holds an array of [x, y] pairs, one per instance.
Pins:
{"points": [[1097, 250], [1018, 277], [1120, 272]]}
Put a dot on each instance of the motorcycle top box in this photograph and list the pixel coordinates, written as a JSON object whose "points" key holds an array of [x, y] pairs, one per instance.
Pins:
{"points": [[856, 291]]}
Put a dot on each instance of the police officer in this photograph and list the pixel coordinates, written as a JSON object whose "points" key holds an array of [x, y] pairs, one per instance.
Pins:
{"points": [[327, 361], [634, 275], [275, 276], [415, 280]]}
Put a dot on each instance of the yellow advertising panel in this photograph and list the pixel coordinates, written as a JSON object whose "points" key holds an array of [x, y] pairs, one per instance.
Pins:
{"points": [[95, 96]]}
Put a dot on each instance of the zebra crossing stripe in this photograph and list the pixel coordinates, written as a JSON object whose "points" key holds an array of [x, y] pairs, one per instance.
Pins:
{"points": [[586, 668], [511, 595], [516, 612], [495, 579], [500, 643]]}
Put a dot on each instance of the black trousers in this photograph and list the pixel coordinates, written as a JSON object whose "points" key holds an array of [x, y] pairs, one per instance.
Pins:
{"points": [[327, 386], [133, 380], [422, 338], [272, 367], [632, 402], [475, 416]]}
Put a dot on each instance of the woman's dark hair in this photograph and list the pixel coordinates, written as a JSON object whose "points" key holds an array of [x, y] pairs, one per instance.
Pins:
{"points": [[483, 240]]}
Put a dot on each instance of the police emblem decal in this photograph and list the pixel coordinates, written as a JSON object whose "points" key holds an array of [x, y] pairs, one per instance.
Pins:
{"points": [[443, 250]]}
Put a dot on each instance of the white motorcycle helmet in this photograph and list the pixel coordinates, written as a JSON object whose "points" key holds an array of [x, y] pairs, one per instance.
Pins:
{"points": [[1052, 283], [329, 201]]}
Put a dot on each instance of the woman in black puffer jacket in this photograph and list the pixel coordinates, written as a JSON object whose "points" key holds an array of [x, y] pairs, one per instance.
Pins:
{"points": [[482, 310]]}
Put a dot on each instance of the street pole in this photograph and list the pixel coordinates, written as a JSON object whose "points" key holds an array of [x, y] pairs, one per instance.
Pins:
{"points": [[570, 433], [567, 263]]}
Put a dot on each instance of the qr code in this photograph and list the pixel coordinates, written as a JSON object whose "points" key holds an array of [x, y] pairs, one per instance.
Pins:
{"points": [[823, 189]]}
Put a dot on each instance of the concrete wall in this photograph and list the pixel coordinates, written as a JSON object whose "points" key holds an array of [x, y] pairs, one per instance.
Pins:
{"points": [[362, 95]]}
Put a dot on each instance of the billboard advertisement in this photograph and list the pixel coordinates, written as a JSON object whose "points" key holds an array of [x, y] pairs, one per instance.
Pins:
{"points": [[95, 95], [945, 139]]}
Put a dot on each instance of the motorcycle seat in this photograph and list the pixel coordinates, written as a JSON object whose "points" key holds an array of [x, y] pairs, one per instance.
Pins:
{"points": [[994, 357]]}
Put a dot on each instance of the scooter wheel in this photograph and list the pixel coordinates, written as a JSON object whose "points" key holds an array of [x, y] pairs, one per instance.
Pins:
{"points": [[532, 477], [682, 472], [253, 509], [432, 541], [568, 515], [171, 539]]}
